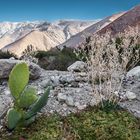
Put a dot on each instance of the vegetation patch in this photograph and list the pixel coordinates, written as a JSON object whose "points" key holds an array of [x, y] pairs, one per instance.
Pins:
{"points": [[6, 55], [92, 124], [56, 59]]}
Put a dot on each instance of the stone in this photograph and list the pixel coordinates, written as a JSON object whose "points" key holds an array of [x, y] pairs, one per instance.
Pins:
{"points": [[116, 93], [130, 95], [45, 83], [94, 101], [81, 107], [69, 101], [135, 72], [78, 66], [61, 97], [55, 80], [5, 101], [12, 58], [6, 66], [66, 79]]}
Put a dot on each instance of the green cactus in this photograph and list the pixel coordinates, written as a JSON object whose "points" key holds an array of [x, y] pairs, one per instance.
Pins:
{"points": [[13, 118], [39, 104], [18, 79], [28, 97], [26, 102]]}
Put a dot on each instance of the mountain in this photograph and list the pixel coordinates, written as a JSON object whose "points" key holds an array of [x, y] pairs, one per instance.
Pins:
{"points": [[115, 24], [130, 19], [12, 31], [15, 37], [43, 35], [79, 38]]}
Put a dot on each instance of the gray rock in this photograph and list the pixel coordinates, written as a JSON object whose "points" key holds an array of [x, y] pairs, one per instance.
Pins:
{"points": [[6, 66], [132, 106], [45, 83], [5, 101], [94, 101], [69, 101], [134, 72], [130, 95], [55, 80], [66, 79], [81, 107], [12, 58], [78, 66], [61, 97]]}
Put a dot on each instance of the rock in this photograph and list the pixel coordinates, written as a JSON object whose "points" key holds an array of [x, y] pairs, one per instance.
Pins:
{"points": [[45, 83], [135, 72], [81, 107], [12, 58], [116, 93], [130, 95], [78, 66], [66, 79], [69, 101], [55, 80], [35, 71], [132, 106], [95, 101], [5, 101], [6, 66], [61, 97]]}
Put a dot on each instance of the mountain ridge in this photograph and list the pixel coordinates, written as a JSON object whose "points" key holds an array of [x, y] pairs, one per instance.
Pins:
{"points": [[57, 31], [69, 33]]}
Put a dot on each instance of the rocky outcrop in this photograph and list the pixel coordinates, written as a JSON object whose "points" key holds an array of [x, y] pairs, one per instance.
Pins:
{"points": [[131, 91], [6, 66], [135, 72], [78, 66]]}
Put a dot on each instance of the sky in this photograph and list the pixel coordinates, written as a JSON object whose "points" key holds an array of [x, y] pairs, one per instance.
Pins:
{"points": [[52, 10]]}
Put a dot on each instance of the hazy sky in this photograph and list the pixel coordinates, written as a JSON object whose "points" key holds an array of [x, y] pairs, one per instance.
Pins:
{"points": [[23, 10]]}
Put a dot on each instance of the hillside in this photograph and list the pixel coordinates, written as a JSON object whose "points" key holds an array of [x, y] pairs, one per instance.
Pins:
{"points": [[42, 35], [79, 38]]}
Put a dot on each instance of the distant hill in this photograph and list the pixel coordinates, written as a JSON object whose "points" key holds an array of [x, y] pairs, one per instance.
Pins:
{"points": [[15, 37]]}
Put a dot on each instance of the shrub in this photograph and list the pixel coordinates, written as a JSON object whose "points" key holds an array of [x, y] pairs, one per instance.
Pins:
{"points": [[82, 52], [110, 57], [6, 55], [29, 54], [26, 103], [55, 59]]}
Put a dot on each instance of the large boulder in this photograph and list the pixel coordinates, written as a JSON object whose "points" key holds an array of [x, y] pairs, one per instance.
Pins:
{"points": [[135, 72], [78, 66], [6, 66]]}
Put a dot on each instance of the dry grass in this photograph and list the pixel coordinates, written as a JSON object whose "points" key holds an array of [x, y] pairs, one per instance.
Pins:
{"points": [[109, 58]]}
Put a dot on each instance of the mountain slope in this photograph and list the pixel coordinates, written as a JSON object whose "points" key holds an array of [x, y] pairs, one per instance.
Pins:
{"points": [[10, 32], [40, 40], [42, 36], [79, 38], [129, 19]]}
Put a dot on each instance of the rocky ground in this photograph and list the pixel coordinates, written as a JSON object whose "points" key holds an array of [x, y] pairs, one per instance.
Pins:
{"points": [[70, 91], [131, 89]]}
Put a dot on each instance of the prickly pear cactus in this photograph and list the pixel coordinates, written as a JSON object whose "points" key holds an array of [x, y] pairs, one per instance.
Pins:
{"points": [[28, 97], [13, 118], [39, 104], [26, 102], [18, 79]]}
